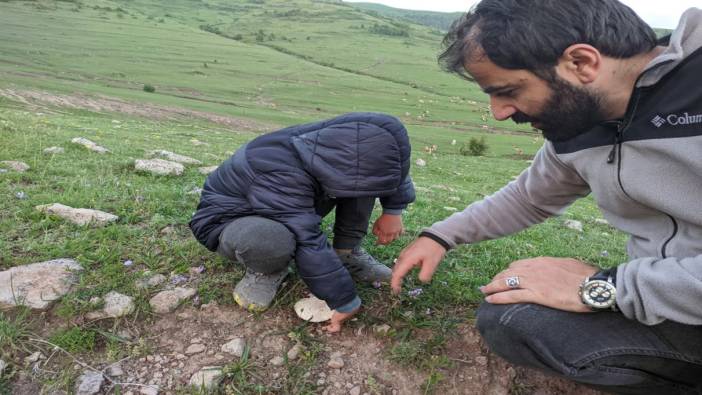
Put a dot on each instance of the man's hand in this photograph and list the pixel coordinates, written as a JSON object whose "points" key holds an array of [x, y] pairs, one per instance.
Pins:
{"points": [[338, 319], [387, 228], [425, 254], [551, 282]]}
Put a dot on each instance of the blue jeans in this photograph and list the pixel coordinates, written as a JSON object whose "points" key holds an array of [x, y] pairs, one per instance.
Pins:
{"points": [[603, 350]]}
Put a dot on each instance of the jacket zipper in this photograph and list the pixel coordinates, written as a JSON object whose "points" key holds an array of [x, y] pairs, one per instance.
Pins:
{"points": [[617, 146]]}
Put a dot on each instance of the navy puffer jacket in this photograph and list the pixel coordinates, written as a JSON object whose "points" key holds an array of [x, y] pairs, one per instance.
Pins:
{"points": [[280, 175]]}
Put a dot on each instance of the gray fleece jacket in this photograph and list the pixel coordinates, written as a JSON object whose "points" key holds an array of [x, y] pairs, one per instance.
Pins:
{"points": [[645, 173]]}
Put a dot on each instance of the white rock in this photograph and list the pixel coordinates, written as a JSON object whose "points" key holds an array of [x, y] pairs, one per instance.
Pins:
{"points": [[277, 361], [149, 390], [167, 301], [33, 357], [207, 170], [114, 370], [89, 145], [3, 366], [235, 347], [195, 349], [53, 150], [294, 352], [15, 165], [420, 162], [118, 305], [37, 285], [207, 377], [174, 157], [601, 221], [357, 389], [336, 362], [159, 167], [573, 224], [78, 216], [89, 383], [447, 208], [313, 310], [453, 142], [153, 281]]}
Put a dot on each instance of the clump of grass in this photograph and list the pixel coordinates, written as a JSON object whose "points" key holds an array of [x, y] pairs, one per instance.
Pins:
{"points": [[474, 147], [14, 333], [74, 340], [149, 88]]}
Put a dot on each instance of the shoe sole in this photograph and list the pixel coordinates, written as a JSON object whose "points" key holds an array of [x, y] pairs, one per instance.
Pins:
{"points": [[252, 307]]}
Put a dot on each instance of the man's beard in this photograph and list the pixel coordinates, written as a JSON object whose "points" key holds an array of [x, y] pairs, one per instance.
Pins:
{"points": [[569, 112]]}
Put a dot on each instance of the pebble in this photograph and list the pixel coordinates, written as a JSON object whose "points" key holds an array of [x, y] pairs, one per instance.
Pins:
{"points": [[574, 225], [235, 347], [89, 383], [114, 370], [277, 361], [355, 390], [195, 349], [294, 352], [149, 390]]}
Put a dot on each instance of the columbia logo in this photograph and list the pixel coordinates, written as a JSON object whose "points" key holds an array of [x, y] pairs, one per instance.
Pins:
{"points": [[658, 121]]}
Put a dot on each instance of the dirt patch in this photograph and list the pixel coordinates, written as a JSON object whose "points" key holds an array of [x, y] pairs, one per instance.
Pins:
{"points": [[100, 103]]}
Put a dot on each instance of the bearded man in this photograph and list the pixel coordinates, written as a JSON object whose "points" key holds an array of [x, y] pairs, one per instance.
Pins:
{"points": [[622, 115]]}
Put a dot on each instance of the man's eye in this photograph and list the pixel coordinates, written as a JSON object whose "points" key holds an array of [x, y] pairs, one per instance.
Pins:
{"points": [[507, 93]]}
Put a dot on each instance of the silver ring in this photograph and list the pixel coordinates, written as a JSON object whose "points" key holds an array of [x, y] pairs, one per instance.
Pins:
{"points": [[512, 282]]}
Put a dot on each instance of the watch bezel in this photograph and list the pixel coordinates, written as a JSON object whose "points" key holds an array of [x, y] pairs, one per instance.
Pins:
{"points": [[594, 304]]}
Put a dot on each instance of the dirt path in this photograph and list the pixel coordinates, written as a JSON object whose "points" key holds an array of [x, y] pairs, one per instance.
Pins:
{"points": [[42, 100]]}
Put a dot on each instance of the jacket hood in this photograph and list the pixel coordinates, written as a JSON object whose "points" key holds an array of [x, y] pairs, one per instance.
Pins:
{"points": [[684, 40], [356, 155]]}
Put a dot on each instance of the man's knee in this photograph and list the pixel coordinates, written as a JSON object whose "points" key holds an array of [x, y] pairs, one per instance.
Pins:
{"points": [[261, 244]]}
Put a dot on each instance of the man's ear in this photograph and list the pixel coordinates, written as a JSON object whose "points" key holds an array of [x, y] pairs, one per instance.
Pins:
{"points": [[581, 62]]}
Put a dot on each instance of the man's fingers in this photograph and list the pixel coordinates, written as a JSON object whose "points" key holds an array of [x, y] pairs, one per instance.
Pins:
{"points": [[399, 271], [509, 297], [499, 283], [427, 271]]}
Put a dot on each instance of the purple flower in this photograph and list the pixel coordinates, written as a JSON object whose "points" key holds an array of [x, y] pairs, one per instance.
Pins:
{"points": [[376, 284], [200, 269], [604, 253], [415, 292], [128, 262], [178, 278]]}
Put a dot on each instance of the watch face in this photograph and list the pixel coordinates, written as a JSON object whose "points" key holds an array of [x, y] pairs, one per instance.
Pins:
{"points": [[599, 294]]}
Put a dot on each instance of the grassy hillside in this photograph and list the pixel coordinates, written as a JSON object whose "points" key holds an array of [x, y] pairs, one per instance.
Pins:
{"points": [[314, 63], [437, 20]]}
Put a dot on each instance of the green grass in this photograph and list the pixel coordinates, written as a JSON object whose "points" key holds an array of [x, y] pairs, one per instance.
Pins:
{"points": [[116, 48]]}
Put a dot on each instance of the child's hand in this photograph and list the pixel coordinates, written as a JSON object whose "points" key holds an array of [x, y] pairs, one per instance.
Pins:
{"points": [[387, 228], [338, 319]]}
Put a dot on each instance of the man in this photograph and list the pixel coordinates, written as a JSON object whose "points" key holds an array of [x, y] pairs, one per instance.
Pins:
{"points": [[622, 115], [264, 205]]}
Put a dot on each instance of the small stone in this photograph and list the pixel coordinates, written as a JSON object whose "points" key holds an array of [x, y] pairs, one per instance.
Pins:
{"points": [[381, 329], [235, 347], [277, 361], [17, 166], [89, 145], [207, 170], [601, 221], [21, 195], [167, 301], [159, 167], [34, 357], [53, 150], [3, 366], [420, 162], [150, 282], [294, 352], [355, 390], [336, 363], [207, 377], [118, 305], [78, 216], [448, 208], [194, 349], [89, 383], [37, 285], [114, 370], [574, 225], [481, 360], [149, 390], [174, 157]]}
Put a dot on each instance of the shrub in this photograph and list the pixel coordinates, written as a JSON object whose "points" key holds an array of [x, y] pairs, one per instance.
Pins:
{"points": [[474, 147], [149, 88]]}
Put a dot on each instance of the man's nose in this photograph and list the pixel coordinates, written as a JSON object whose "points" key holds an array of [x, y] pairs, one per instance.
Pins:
{"points": [[501, 109]]}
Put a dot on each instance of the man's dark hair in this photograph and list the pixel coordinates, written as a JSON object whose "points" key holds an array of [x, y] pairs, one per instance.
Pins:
{"points": [[532, 34]]}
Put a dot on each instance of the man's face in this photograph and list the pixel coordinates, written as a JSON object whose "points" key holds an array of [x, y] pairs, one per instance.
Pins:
{"points": [[558, 108]]}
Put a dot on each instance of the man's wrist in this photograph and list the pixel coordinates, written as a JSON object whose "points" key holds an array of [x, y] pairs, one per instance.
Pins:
{"points": [[436, 239]]}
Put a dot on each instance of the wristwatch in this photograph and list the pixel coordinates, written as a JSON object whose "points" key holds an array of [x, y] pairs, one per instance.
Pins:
{"points": [[599, 291]]}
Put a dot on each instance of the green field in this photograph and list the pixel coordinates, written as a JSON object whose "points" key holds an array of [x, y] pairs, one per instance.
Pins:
{"points": [[314, 60]]}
